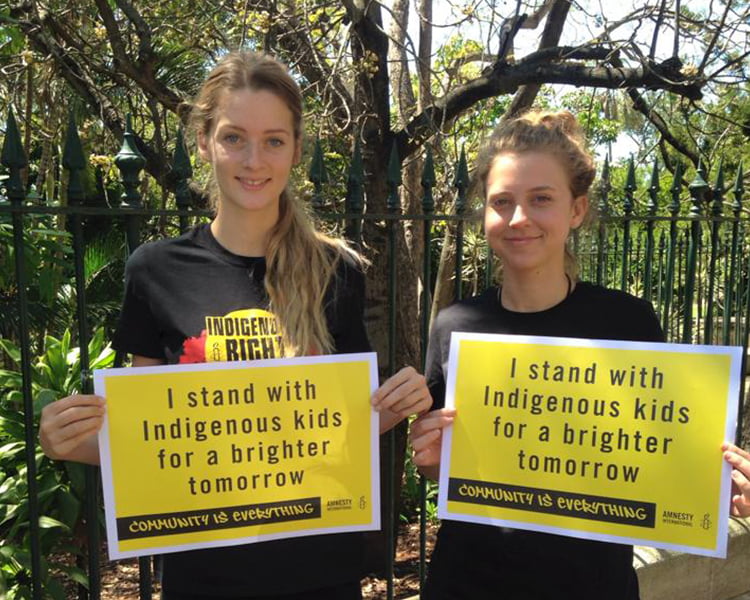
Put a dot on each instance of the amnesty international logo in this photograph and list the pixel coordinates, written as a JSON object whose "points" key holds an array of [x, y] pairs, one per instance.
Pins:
{"points": [[247, 334]]}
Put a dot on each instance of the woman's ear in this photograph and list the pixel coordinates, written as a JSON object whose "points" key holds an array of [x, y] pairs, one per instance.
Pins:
{"points": [[580, 209], [203, 149]]}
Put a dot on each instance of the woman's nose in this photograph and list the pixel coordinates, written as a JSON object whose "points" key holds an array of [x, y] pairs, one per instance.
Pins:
{"points": [[252, 155], [519, 215]]}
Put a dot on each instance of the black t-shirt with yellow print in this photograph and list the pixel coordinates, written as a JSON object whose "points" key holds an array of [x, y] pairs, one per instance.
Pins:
{"points": [[483, 562], [190, 300]]}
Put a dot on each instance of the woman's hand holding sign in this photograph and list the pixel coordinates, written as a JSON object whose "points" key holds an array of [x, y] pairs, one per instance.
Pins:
{"points": [[402, 395], [740, 461], [68, 428], [426, 436]]}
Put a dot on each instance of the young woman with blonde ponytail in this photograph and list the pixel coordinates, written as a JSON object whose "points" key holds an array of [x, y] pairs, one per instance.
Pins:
{"points": [[259, 259]]}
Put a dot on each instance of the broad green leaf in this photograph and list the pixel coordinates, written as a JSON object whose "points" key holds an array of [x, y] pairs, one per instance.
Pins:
{"points": [[11, 350], [55, 589], [43, 398], [48, 522], [68, 505], [76, 574]]}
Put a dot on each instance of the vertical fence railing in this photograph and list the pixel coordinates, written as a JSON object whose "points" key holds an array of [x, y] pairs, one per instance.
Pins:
{"points": [[695, 268], [75, 163], [393, 205], [651, 209], [13, 158], [428, 208], [461, 183]]}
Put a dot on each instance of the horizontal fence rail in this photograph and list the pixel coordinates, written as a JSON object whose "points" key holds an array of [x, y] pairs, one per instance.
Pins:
{"points": [[689, 256]]}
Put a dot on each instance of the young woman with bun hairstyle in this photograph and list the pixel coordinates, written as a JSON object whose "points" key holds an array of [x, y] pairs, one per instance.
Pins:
{"points": [[536, 174], [260, 257]]}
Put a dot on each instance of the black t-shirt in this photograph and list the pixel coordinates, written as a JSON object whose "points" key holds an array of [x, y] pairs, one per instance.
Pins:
{"points": [[190, 300], [482, 561]]}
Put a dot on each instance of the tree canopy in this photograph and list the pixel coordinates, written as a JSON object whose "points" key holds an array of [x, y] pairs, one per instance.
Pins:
{"points": [[384, 73]]}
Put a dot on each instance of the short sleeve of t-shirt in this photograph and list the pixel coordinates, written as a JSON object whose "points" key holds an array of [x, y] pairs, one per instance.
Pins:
{"points": [[345, 309], [434, 364], [137, 330]]}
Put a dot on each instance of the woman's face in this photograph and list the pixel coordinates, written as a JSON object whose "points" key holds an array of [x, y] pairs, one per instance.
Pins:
{"points": [[530, 211], [252, 149]]}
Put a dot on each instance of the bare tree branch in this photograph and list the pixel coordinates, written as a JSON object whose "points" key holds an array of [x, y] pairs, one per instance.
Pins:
{"points": [[653, 117], [657, 29], [545, 66], [424, 10], [715, 38], [558, 13], [398, 62]]}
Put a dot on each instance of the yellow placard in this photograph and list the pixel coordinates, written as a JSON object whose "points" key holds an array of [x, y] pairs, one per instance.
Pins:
{"points": [[218, 454], [614, 441]]}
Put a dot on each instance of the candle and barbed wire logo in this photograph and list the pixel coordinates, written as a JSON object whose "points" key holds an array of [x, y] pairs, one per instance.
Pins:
{"points": [[247, 334]]}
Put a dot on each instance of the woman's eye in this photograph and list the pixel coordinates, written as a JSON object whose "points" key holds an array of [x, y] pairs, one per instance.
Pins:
{"points": [[231, 138], [275, 142], [498, 202], [541, 199]]}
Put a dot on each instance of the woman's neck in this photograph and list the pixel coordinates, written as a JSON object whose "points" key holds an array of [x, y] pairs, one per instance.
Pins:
{"points": [[533, 294], [243, 237]]}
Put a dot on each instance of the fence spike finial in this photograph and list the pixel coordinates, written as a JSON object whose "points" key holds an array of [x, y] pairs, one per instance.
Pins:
{"points": [[719, 188], [393, 178], [630, 188], [674, 204], [183, 171], [698, 188], [630, 183], [739, 190], [653, 190], [74, 161], [355, 182], [461, 182], [13, 154], [130, 161], [13, 157], [604, 189], [428, 182]]}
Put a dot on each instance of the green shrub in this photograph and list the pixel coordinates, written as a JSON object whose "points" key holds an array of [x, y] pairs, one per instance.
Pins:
{"points": [[54, 374]]}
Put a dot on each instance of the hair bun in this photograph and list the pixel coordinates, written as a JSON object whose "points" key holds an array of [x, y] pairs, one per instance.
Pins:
{"points": [[563, 121], [537, 130], [184, 109]]}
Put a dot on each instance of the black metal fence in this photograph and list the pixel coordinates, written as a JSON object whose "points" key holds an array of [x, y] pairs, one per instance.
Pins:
{"points": [[689, 255]]}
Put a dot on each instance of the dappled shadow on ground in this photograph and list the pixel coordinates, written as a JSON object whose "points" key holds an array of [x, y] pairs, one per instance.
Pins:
{"points": [[120, 578]]}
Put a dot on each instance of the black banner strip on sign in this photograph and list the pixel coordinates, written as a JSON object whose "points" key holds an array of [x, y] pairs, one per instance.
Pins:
{"points": [[144, 526], [582, 506]]}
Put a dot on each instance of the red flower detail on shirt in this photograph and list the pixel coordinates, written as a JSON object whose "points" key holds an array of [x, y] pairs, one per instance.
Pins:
{"points": [[194, 349]]}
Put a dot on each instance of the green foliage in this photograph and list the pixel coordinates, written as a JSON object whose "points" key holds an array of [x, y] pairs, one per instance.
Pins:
{"points": [[50, 289], [54, 374], [594, 110], [45, 252], [410, 500]]}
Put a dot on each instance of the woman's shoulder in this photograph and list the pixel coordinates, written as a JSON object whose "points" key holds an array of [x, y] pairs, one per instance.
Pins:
{"points": [[598, 294], [349, 266], [621, 314], [155, 252], [464, 312]]}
